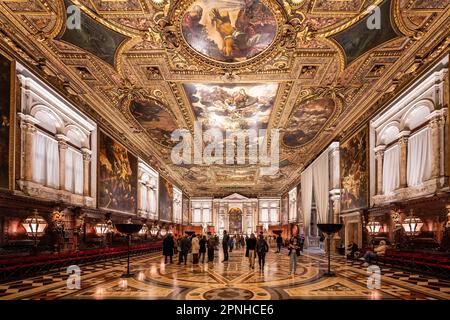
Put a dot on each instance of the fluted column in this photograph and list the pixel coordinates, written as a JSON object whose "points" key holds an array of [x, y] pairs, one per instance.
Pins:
{"points": [[149, 196], [403, 144], [62, 146], [29, 130], [379, 155], [86, 171], [435, 127]]}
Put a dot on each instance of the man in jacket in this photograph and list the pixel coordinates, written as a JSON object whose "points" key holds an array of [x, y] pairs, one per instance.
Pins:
{"points": [[251, 247], [279, 243], [225, 240], [168, 245], [185, 246]]}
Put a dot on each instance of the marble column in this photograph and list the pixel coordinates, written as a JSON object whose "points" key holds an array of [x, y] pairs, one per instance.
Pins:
{"points": [[86, 171], [379, 155], [435, 127], [403, 144], [139, 197], [29, 130], [62, 146]]}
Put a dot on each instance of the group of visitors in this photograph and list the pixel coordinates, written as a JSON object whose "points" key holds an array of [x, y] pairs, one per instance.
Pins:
{"points": [[201, 246]]}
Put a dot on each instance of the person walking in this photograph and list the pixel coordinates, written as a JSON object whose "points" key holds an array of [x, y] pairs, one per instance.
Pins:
{"points": [[195, 249], [185, 246], [251, 247], [261, 249], [294, 253], [202, 250], [279, 243], [225, 240], [321, 241], [168, 246], [211, 244]]}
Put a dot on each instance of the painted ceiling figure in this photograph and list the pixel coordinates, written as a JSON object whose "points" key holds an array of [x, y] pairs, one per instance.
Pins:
{"points": [[255, 27]]}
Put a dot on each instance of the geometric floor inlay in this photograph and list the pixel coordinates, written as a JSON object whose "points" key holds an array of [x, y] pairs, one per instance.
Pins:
{"points": [[233, 280]]}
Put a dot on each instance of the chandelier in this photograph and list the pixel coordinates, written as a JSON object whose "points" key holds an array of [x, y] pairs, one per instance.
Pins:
{"points": [[412, 224]]}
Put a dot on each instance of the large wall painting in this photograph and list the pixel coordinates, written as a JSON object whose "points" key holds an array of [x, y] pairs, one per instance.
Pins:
{"points": [[229, 31], [354, 171], [165, 200], [117, 181], [285, 209], [5, 113], [185, 210]]}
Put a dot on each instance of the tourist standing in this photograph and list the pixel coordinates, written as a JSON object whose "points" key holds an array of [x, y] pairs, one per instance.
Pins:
{"points": [[225, 240], [168, 246], [185, 246], [251, 247], [261, 249], [294, 253], [279, 243], [211, 246], [202, 250], [195, 249]]}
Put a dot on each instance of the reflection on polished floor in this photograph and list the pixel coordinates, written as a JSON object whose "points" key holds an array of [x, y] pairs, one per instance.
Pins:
{"points": [[233, 280]]}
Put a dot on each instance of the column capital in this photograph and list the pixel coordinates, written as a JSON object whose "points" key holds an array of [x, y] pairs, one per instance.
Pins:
{"points": [[62, 140], [86, 154], [26, 118], [28, 127], [379, 150], [403, 135], [437, 115]]}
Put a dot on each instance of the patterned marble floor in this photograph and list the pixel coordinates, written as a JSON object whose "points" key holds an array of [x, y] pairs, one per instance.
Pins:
{"points": [[231, 280]]}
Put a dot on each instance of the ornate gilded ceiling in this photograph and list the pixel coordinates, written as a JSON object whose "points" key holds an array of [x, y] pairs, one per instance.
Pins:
{"points": [[143, 68]]}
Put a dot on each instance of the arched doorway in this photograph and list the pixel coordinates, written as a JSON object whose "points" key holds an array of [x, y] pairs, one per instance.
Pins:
{"points": [[235, 221]]}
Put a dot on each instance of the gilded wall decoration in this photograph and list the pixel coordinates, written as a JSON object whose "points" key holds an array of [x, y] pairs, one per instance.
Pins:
{"points": [[354, 166], [117, 176]]}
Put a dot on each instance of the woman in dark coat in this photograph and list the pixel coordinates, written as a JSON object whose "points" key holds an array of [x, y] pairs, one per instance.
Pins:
{"points": [[168, 246]]}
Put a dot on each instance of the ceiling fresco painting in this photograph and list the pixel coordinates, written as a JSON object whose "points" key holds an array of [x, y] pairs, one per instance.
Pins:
{"points": [[155, 119], [93, 37], [310, 68], [229, 31], [232, 106], [307, 120], [359, 38]]}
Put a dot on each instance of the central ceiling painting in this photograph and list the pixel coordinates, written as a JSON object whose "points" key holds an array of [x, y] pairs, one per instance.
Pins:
{"points": [[232, 106], [229, 31]]}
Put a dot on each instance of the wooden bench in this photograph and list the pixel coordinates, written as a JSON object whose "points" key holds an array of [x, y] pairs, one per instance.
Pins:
{"points": [[18, 267]]}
